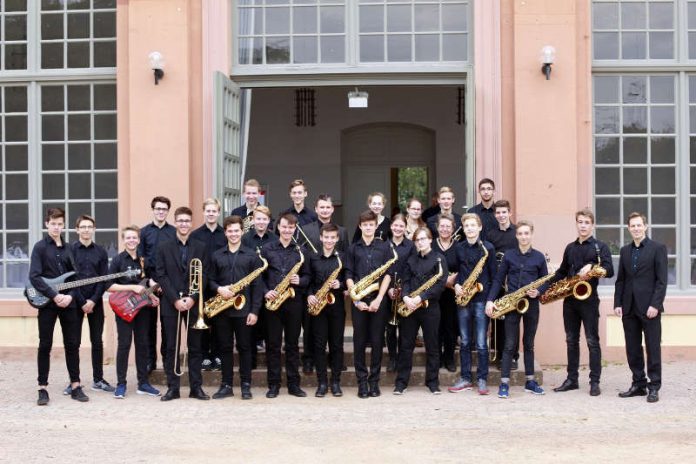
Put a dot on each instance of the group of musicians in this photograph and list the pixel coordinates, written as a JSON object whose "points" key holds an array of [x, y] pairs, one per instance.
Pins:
{"points": [[431, 271]]}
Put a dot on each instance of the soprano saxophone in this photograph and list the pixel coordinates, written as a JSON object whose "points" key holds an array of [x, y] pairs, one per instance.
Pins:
{"points": [[368, 284], [283, 289], [471, 287], [218, 304], [324, 294], [403, 310]]}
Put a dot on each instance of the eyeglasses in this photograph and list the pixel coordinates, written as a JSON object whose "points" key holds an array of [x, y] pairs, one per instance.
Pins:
{"points": [[160, 209]]}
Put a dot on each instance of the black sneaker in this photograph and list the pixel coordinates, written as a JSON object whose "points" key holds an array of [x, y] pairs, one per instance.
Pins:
{"points": [[78, 395], [43, 397], [217, 364]]}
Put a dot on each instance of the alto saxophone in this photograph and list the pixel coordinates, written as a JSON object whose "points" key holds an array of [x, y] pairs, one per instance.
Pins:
{"points": [[218, 304], [283, 289], [471, 287], [368, 284], [403, 310], [324, 294], [517, 301], [576, 285]]}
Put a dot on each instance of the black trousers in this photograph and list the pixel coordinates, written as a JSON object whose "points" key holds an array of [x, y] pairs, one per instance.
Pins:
{"points": [[95, 319], [209, 346], [259, 332], [287, 319], [392, 337], [193, 346], [429, 320], [139, 330], [449, 325], [308, 340], [585, 313], [227, 329], [369, 326], [152, 355], [530, 322], [636, 325], [70, 323], [329, 326]]}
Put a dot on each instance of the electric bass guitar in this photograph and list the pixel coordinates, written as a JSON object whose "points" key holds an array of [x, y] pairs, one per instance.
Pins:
{"points": [[127, 304], [38, 300]]}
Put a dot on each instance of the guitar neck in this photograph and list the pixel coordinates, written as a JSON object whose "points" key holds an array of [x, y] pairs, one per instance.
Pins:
{"points": [[91, 280]]}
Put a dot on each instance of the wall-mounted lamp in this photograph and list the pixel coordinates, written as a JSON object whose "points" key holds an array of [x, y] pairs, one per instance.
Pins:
{"points": [[157, 65], [548, 55], [357, 99]]}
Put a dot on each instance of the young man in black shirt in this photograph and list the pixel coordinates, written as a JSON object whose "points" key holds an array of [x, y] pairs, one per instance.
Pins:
{"points": [[251, 192], [229, 265], [486, 189], [51, 258], [92, 261]]}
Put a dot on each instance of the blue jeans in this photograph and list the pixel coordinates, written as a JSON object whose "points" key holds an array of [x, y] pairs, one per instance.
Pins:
{"points": [[473, 313]]}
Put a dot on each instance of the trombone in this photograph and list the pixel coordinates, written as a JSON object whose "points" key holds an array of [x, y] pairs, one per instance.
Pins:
{"points": [[195, 287], [308, 242]]}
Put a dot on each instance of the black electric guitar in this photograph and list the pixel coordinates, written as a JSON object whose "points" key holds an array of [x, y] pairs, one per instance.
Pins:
{"points": [[38, 300]]}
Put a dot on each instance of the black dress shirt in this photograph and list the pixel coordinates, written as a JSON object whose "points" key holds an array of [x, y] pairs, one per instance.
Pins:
{"points": [[304, 216], [228, 267], [321, 267], [362, 259], [50, 261], [383, 231], [91, 261], [468, 256], [213, 240], [150, 238], [519, 269], [313, 231], [487, 215], [121, 263], [502, 240], [403, 250], [419, 269], [281, 260], [577, 255], [253, 240]]}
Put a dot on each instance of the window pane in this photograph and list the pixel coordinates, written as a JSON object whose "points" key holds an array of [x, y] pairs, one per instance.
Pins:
{"points": [[605, 16], [79, 156], [634, 89], [52, 128], [398, 48], [16, 158], [427, 48], [15, 56], [454, 47], [635, 119], [79, 98], [610, 236], [277, 20], [371, 19], [398, 18], [634, 204], [606, 150], [15, 128], [606, 89], [662, 120], [635, 181], [16, 27], [662, 89], [105, 156], [607, 181], [17, 274], [53, 157], [15, 99], [17, 245], [304, 20], [608, 211], [51, 26], [661, 15], [105, 24], [105, 54], [52, 98], [332, 49], [277, 50], [79, 186], [107, 185], [16, 216], [661, 45], [105, 127], [16, 187], [305, 49], [332, 19], [78, 25], [106, 214], [633, 15], [372, 49], [662, 180], [78, 54], [606, 45], [662, 150], [426, 18], [633, 45], [454, 18], [666, 236], [606, 120], [51, 55], [104, 97], [53, 186], [663, 211]]}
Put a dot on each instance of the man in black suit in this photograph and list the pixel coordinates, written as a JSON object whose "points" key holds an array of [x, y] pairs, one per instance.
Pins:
{"points": [[173, 267], [639, 295]]}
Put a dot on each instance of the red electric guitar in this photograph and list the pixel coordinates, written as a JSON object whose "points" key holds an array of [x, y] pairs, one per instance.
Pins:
{"points": [[127, 304]]}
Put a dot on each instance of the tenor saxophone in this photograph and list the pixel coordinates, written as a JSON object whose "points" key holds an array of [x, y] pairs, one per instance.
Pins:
{"points": [[368, 284], [218, 304], [324, 294], [471, 287], [283, 289], [517, 301], [403, 310]]}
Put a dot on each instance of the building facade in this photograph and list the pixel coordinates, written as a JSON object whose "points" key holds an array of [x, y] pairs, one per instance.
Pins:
{"points": [[258, 88]]}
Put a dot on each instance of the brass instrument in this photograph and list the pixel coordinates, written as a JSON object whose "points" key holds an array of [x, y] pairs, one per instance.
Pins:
{"points": [[576, 285], [195, 287], [324, 294], [247, 223], [283, 289], [368, 284], [308, 242], [516, 300], [403, 310], [395, 302], [218, 304], [471, 287]]}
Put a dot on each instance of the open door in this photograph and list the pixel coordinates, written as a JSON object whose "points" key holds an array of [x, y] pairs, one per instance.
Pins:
{"points": [[229, 142]]}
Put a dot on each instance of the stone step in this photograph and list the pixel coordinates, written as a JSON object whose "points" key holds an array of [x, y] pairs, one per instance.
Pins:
{"points": [[348, 379]]}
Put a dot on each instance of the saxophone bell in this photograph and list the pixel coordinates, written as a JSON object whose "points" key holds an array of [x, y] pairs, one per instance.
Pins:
{"points": [[582, 290]]}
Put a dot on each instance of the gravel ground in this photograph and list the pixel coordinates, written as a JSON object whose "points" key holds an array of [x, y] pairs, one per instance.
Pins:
{"points": [[415, 427]]}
